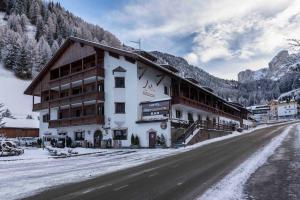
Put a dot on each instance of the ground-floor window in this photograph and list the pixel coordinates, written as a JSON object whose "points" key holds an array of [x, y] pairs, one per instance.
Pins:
{"points": [[79, 135], [190, 117], [178, 114], [120, 134], [46, 118], [199, 117]]}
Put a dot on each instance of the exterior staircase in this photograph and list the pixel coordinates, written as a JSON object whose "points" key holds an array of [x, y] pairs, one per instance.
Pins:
{"points": [[188, 133], [199, 131]]}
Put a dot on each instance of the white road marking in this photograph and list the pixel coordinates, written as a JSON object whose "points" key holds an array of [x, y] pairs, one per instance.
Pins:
{"points": [[120, 188], [151, 175], [142, 172], [178, 184], [96, 188]]}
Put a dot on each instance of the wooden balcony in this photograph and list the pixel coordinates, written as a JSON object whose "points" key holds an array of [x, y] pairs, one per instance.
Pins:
{"points": [[79, 98], [76, 121], [39, 106], [196, 104], [77, 76]]}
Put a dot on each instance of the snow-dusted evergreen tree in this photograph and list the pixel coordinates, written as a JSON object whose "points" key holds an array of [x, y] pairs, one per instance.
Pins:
{"points": [[22, 66], [45, 53], [24, 21], [1, 117], [10, 50], [6, 113], [54, 47], [34, 11], [53, 25], [14, 23], [29, 117]]}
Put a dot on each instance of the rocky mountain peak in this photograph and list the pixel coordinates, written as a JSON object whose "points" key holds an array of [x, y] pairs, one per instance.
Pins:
{"points": [[279, 60]]}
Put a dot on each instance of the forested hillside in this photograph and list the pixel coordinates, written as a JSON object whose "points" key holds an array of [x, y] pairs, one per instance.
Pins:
{"points": [[32, 30]]}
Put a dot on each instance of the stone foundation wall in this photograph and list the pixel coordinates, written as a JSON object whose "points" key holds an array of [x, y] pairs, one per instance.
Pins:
{"points": [[206, 135]]}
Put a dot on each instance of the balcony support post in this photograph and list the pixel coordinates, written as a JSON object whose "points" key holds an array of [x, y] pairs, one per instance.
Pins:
{"points": [[82, 64], [179, 88], [82, 84], [70, 114], [59, 91], [82, 109]]}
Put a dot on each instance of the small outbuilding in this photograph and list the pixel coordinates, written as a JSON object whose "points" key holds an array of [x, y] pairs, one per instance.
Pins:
{"points": [[20, 128]]}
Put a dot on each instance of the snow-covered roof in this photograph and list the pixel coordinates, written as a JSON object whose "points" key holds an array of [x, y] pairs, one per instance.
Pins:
{"points": [[21, 123]]}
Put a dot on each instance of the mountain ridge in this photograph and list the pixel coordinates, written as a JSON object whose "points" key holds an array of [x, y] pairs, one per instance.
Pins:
{"points": [[253, 87]]}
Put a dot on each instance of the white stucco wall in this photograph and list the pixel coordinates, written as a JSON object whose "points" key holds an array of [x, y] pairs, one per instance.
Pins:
{"points": [[287, 109]]}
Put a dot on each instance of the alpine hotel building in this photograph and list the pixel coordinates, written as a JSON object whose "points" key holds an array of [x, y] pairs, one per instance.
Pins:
{"points": [[93, 92]]}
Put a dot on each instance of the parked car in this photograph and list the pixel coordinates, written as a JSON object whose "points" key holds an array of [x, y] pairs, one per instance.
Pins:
{"points": [[9, 148], [28, 141]]}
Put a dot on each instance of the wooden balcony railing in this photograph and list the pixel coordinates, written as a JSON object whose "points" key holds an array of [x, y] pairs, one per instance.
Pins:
{"points": [[76, 76], [76, 121], [202, 106], [79, 98]]}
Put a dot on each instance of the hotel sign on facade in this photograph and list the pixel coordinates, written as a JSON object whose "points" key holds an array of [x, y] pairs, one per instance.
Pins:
{"points": [[155, 109]]}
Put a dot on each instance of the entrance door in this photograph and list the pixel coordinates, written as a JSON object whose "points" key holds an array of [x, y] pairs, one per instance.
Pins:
{"points": [[152, 139], [97, 138]]}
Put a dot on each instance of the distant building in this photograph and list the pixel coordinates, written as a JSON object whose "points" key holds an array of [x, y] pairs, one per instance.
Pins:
{"points": [[273, 109], [20, 128], [288, 109], [261, 113], [246, 116]]}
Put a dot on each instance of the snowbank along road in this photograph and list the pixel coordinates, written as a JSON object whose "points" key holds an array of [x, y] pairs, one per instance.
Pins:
{"points": [[187, 175]]}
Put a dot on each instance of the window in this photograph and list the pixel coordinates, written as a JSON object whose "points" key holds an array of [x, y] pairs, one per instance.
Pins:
{"points": [[46, 118], [64, 93], [178, 114], [120, 134], [199, 117], [79, 135], [190, 117], [119, 82], [76, 91], [120, 107], [166, 90], [101, 110], [77, 113]]}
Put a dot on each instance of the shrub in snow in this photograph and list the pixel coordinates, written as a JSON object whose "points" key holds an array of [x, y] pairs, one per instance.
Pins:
{"points": [[137, 140], [132, 139]]}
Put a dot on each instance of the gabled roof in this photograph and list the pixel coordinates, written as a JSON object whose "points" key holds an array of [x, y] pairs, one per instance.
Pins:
{"points": [[193, 80], [63, 47], [170, 67], [131, 54]]}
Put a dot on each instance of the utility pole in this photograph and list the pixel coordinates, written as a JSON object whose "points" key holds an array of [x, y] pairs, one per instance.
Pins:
{"points": [[138, 42]]}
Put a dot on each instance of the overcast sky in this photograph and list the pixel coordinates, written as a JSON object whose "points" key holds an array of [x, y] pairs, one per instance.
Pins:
{"points": [[221, 36]]}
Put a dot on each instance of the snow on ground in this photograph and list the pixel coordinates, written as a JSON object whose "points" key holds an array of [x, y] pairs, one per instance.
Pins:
{"points": [[2, 21], [231, 186], [36, 170], [12, 94]]}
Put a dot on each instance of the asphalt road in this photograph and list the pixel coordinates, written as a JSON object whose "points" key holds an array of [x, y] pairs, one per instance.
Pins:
{"points": [[183, 176], [279, 178]]}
